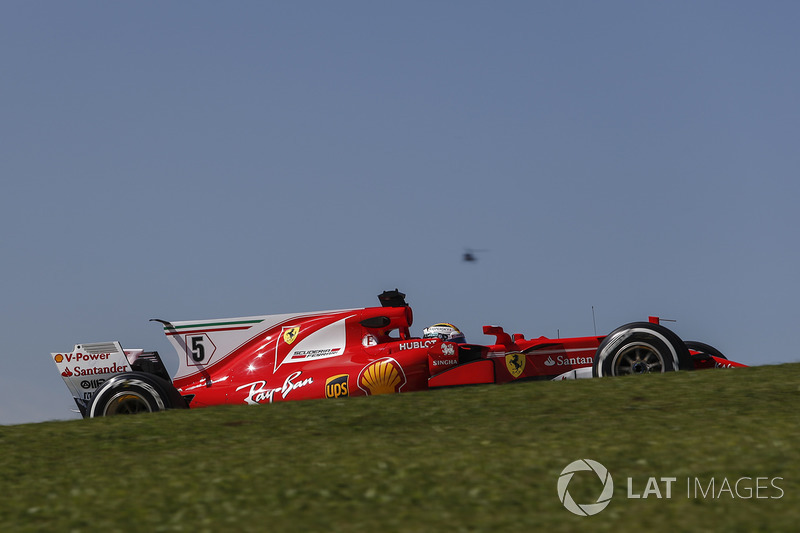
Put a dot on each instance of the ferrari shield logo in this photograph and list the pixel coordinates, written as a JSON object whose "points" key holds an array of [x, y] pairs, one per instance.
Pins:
{"points": [[515, 363], [290, 334]]}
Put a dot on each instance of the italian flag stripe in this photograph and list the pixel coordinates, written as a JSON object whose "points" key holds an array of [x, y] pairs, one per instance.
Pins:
{"points": [[245, 323], [169, 333]]}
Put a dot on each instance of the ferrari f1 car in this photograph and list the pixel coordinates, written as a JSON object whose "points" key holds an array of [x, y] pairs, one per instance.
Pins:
{"points": [[352, 352]]}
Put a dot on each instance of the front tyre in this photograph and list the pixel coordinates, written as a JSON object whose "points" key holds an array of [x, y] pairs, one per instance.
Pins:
{"points": [[640, 348], [133, 393], [704, 350]]}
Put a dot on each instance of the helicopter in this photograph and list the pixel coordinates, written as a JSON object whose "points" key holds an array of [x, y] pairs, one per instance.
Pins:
{"points": [[470, 256]]}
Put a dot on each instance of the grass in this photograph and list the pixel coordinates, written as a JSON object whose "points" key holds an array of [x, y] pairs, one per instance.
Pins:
{"points": [[471, 459]]}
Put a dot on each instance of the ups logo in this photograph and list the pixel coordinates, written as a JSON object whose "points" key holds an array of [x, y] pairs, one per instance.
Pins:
{"points": [[336, 386]]}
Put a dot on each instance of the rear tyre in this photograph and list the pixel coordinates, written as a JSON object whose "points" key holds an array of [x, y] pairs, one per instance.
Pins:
{"points": [[640, 348], [133, 393]]}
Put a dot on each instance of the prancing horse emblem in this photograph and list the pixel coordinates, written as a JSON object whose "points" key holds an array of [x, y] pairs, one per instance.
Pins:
{"points": [[290, 334], [515, 363]]}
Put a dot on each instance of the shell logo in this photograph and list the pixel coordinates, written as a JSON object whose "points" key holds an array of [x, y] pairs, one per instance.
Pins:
{"points": [[384, 376]]}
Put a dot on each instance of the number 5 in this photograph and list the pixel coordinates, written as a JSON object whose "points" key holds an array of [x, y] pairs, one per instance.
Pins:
{"points": [[198, 350]]}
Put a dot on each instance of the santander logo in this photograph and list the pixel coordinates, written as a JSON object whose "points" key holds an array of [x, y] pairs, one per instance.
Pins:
{"points": [[561, 360]]}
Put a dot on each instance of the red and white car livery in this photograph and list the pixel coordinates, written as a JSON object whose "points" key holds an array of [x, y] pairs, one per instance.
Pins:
{"points": [[349, 352]]}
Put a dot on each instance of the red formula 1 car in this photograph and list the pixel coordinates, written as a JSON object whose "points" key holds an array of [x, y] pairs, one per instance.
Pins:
{"points": [[352, 352]]}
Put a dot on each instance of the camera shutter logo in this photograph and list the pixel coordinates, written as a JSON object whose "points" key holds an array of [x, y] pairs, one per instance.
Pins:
{"points": [[585, 509]]}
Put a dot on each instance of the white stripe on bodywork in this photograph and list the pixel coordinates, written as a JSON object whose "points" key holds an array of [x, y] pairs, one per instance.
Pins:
{"points": [[578, 373]]}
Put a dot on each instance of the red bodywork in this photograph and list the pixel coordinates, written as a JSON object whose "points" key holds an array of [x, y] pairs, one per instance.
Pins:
{"points": [[358, 352]]}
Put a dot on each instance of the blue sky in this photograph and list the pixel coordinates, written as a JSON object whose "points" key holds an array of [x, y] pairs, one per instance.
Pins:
{"points": [[189, 160]]}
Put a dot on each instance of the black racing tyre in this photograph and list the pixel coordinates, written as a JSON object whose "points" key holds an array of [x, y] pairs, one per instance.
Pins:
{"points": [[640, 348], [704, 348], [133, 393]]}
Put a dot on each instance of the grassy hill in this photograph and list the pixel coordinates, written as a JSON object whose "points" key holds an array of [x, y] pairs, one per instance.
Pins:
{"points": [[471, 459]]}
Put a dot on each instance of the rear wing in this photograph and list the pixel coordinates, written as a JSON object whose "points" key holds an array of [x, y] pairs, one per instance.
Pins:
{"points": [[89, 365]]}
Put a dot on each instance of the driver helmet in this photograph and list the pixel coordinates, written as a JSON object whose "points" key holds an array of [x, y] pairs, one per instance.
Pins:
{"points": [[446, 332]]}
